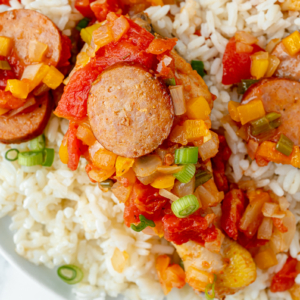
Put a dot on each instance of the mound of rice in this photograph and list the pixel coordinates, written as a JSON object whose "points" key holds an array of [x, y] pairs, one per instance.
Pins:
{"points": [[60, 217]]}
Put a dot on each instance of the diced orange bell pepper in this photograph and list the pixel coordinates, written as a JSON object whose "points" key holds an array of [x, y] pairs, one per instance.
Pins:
{"points": [[198, 108], [104, 159], [266, 259], [6, 45], [232, 109], [159, 46], [119, 28], [86, 135], [63, 150], [164, 182], [259, 64], [251, 111], [19, 89], [292, 43], [123, 164], [295, 292], [99, 175], [195, 129]]}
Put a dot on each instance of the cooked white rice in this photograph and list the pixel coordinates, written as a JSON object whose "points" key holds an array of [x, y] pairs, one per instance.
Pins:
{"points": [[59, 217]]}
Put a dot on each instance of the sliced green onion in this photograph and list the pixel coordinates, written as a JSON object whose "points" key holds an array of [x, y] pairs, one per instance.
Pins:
{"points": [[4, 65], [30, 158], [8, 156], [202, 176], [48, 157], [38, 143], [199, 67], [143, 224], [70, 274], [185, 206], [266, 123], [186, 156], [107, 183], [170, 81], [245, 84], [186, 173], [83, 23], [211, 287], [284, 145]]}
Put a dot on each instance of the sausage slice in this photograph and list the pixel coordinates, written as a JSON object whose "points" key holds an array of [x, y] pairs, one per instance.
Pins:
{"points": [[289, 66], [130, 111], [27, 125], [282, 96], [23, 26]]}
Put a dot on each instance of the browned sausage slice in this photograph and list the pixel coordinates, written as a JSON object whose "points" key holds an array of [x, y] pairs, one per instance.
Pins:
{"points": [[23, 26], [131, 112], [282, 96], [289, 66], [27, 125]]}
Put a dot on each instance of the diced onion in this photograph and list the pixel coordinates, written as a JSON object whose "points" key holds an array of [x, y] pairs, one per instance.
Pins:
{"points": [[149, 179], [178, 99], [166, 60], [269, 209], [265, 229], [272, 44], [283, 203], [186, 174], [146, 165], [185, 206], [119, 260], [29, 102], [183, 189], [245, 37], [37, 51], [70, 274], [169, 169], [94, 149], [165, 193]]}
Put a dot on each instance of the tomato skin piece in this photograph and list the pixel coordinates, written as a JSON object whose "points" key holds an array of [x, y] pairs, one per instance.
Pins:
{"points": [[193, 227], [83, 6], [131, 48], [236, 66], [74, 145], [233, 207], [66, 53], [285, 278]]}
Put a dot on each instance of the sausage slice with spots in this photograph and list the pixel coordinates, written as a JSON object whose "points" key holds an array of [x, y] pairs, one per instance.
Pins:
{"points": [[130, 111], [24, 26], [28, 124], [282, 96]]}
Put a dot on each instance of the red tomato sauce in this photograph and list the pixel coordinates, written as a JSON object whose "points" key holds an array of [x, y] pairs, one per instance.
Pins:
{"points": [[131, 48]]}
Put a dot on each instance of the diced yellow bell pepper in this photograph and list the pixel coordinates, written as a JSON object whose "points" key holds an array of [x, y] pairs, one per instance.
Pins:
{"points": [[104, 159], [5, 45], [37, 51], [101, 175], [87, 33], [35, 73], [251, 111], [19, 89], [63, 151], [123, 164], [266, 259], [54, 78], [195, 129], [259, 64], [198, 108], [3, 111], [163, 182], [232, 109], [274, 62], [295, 292], [292, 43], [101, 37]]}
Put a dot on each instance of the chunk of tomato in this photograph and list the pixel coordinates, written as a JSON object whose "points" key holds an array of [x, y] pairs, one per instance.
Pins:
{"points": [[83, 6], [236, 66], [285, 278]]}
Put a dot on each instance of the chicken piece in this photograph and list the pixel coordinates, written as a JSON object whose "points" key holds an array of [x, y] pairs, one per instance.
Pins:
{"points": [[233, 265]]}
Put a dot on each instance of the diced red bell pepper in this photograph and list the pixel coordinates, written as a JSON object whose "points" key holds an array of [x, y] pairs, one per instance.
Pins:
{"points": [[74, 145], [233, 207], [252, 242], [66, 53], [285, 278], [193, 227], [236, 66]]}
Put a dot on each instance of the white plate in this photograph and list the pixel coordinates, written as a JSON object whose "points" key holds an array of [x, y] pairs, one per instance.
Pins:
{"points": [[42, 275]]}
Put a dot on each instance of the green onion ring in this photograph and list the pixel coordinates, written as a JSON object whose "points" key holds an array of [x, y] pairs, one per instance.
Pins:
{"points": [[30, 158], [11, 150], [38, 143], [76, 274], [186, 173], [49, 157], [185, 206], [210, 286]]}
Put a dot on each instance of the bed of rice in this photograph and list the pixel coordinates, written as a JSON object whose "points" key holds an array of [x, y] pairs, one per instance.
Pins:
{"points": [[59, 217]]}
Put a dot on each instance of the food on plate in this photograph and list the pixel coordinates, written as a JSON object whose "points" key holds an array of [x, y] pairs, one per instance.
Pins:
{"points": [[170, 163], [33, 50]]}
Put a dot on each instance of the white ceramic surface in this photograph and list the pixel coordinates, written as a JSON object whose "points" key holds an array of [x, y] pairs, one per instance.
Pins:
{"points": [[48, 281]]}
